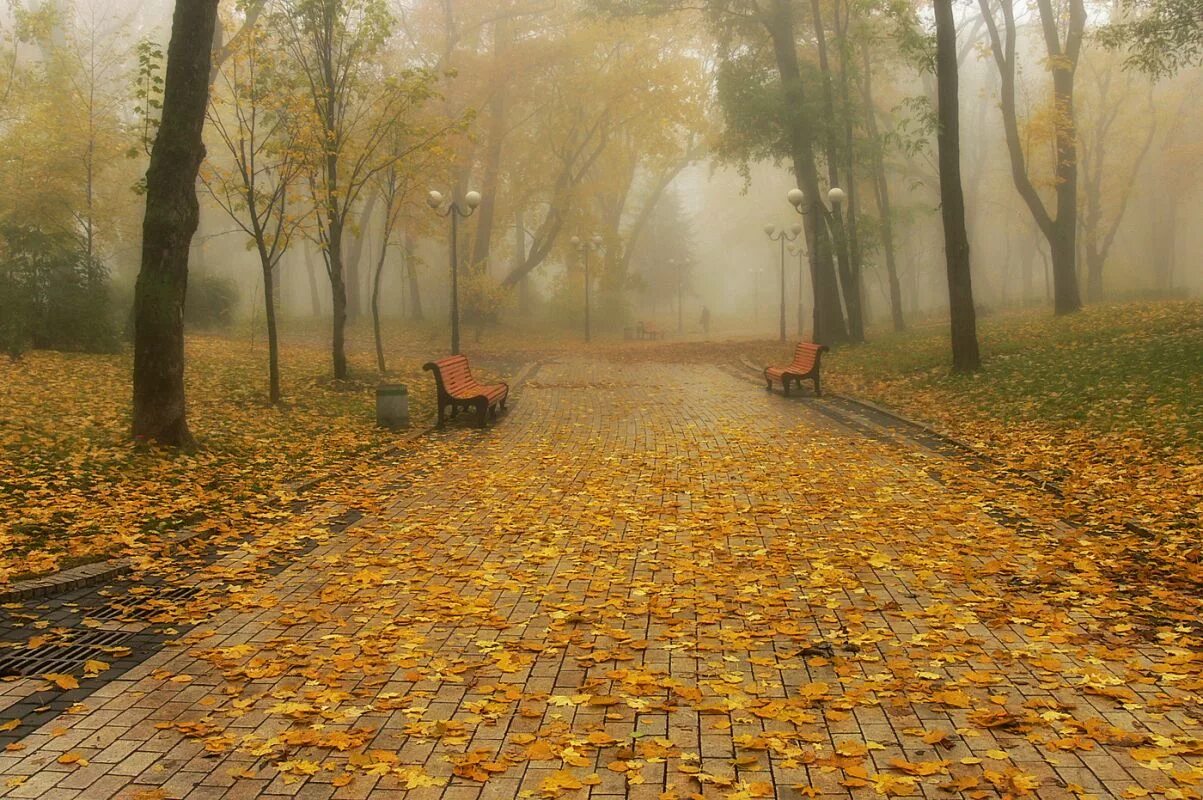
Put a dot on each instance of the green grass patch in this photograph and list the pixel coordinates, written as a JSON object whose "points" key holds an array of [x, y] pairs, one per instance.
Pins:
{"points": [[1133, 368]]}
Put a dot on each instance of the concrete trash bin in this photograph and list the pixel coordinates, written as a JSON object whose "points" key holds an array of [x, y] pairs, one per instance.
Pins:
{"points": [[392, 406]]}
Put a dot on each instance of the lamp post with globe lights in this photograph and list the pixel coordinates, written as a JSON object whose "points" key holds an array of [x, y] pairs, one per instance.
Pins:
{"points": [[756, 274], [841, 229], [783, 236], [455, 211], [797, 199], [836, 196], [583, 247], [799, 250]]}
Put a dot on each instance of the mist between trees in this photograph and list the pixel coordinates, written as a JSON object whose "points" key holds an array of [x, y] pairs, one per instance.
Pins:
{"points": [[668, 132]]}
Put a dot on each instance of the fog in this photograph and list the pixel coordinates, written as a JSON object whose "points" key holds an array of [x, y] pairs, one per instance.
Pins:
{"points": [[565, 399], [650, 132]]}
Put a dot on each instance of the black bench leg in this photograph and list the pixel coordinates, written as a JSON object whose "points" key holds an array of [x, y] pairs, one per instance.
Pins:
{"points": [[817, 392], [442, 415], [482, 411]]}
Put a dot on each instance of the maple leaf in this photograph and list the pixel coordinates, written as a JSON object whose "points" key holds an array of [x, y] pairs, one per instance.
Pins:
{"points": [[414, 777], [62, 681], [919, 768], [299, 766], [558, 782], [541, 751], [952, 697], [891, 785], [92, 668]]}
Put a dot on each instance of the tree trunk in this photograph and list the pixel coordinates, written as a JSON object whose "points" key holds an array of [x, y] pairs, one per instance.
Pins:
{"points": [[524, 289], [965, 354], [848, 282], [1026, 276], [491, 177], [338, 298], [829, 325], [315, 299], [354, 258], [172, 215], [1098, 234], [881, 191], [390, 193], [1067, 298], [1094, 273], [1060, 231], [273, 340], [1091, 218], [380, 366], [855, 254], [411, 270]]}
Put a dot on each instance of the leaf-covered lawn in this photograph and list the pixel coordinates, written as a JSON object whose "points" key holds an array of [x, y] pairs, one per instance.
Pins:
{"points": [[1118, 369], [74, 489], [1108, 402]]}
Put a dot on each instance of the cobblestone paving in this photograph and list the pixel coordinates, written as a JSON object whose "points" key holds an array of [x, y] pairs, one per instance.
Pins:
{"points": [[646, 581]]}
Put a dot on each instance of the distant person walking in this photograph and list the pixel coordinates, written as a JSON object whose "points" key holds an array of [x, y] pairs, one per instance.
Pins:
{"points": [[706, 320]]}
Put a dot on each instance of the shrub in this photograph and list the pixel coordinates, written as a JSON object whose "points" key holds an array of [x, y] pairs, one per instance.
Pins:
{"points": [[210, 302], [53, 296]]}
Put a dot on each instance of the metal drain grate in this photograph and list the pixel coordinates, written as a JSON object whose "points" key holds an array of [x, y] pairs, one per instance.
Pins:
{"points": [[144, 608], [61, 657]]}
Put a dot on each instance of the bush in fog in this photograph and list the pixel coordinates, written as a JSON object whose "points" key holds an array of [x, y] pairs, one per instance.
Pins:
{"points": [[52, 295], [210, 302]]}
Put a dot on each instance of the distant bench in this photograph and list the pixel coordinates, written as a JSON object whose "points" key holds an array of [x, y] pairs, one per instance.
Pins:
{"points": [[805, 366], [458, 390], [645, 330]]}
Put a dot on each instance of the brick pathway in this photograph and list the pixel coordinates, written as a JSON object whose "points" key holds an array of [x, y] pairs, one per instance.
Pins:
{"points": [[648, 581]]}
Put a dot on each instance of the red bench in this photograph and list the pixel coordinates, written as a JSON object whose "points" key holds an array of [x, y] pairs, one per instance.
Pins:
{"points": [[805, 366], [649, 330], [459, 390]]}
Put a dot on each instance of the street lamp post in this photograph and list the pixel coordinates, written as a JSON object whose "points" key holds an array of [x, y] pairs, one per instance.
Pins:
{"points": [[680, 291], [583, 247], [800, 251], [840, 229], [453, 210], [797, 199], [835, 195], [756, 273], [783, 236]]}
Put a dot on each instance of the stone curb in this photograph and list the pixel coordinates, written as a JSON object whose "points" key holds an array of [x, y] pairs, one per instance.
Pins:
{"points": [[923, 426], [1131, 525], [103, 571], [66, 580]]}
